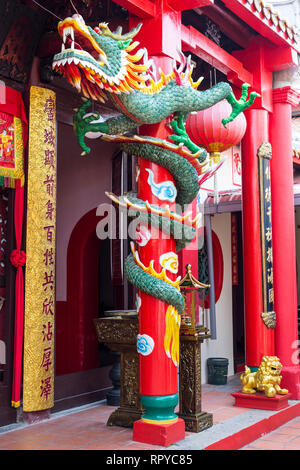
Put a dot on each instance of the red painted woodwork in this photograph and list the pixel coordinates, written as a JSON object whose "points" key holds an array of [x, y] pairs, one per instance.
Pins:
{"points": [[181, 5], [262, 58], [200, 45], [159, 434], [166, 24], [281, 58], [259, 401], [206, 128], [152, 322], [254, 59], [76, 340], [152, 311], [258, 338], [248, 13], [142, 8], [189, 255], [284, 250]]}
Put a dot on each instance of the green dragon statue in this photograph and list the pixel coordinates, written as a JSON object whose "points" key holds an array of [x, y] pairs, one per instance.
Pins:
{"points": [[102, 64]]}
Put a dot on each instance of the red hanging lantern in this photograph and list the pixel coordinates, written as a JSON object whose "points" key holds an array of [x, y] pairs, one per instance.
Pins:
{"points": [[206, 129]]}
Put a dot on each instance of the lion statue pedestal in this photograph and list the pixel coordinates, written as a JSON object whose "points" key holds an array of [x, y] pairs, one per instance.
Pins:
{"points": [[266, 381]]}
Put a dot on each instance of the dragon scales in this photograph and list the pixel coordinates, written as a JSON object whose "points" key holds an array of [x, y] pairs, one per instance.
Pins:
{"points": [[100, 63]]}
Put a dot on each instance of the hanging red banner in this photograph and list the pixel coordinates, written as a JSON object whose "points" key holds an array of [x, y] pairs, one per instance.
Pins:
{"points": [[13, 136], [13, 139]]}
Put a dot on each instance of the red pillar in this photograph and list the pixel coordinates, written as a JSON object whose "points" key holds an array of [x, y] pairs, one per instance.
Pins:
{"points": [[284, 249], [258, 338], [158, 373]]}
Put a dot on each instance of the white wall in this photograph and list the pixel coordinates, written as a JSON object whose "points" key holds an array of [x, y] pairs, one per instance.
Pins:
{"points": [[227, 176], [223, 345], [228, 179]]}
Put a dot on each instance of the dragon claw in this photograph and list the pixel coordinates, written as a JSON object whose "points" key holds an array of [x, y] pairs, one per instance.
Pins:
{"points": [[181, 136], [83, 124], [238, 106]]}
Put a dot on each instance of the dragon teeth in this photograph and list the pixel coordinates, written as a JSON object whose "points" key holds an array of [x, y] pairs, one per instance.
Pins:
{"points": [[68, 32]]}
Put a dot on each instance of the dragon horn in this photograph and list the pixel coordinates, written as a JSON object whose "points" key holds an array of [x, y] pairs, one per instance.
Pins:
{"points": [[118, 36], [182, 60], [119, 31]]}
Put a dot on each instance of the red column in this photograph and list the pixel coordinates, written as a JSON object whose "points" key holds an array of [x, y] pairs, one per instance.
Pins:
{"points": [[259, 339], [152, 312], [284, 249], [158, 373]]}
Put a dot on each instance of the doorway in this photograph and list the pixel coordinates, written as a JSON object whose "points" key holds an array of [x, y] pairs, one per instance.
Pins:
{"points": [[237, 292]]}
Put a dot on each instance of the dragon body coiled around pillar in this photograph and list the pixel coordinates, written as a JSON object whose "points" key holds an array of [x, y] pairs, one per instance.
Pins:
{"points": [[100, 63]]}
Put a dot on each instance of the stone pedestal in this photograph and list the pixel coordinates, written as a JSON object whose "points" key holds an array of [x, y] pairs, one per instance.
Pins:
{"points": [[260, 401], [190, 409], [119, 334], [159, 434]]}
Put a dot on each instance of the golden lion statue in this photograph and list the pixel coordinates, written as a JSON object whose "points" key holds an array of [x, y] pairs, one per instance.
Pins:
{"points": [[266, 379]]}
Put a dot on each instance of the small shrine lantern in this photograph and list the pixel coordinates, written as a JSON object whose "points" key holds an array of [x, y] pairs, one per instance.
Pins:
{"points": [[193, 292]]}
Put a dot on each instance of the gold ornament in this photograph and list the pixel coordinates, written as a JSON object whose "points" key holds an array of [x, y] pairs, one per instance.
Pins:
{"points": [[266, 379]]}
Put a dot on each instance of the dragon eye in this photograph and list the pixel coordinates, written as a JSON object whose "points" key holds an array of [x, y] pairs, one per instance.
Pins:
{"points": [[96, 29]]}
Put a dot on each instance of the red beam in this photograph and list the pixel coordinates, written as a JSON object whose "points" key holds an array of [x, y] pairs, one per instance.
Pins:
{"points": [[281, 58], [260, 23], [229, 24], [255, 58], [200, 45], [140, 8], [180, 5], [262, 58]]}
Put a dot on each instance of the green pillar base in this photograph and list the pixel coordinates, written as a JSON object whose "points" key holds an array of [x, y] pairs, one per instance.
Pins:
{"points": [[159, 409], [253, 369]]}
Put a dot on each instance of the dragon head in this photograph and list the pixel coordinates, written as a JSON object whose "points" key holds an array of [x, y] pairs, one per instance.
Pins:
{"points": [[98, 60]]}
